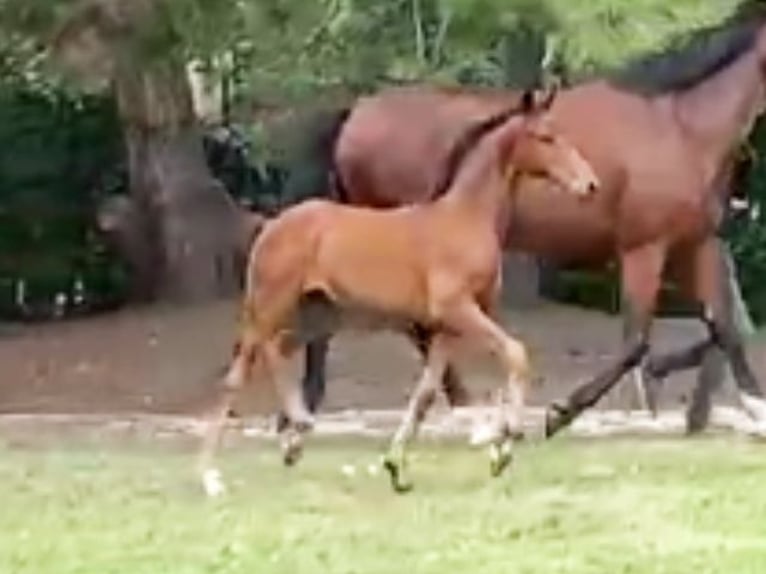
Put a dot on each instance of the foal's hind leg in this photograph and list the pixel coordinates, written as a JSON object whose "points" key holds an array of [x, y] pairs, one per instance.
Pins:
{"points": [[245, 354], [299, 420], [395, 461]]}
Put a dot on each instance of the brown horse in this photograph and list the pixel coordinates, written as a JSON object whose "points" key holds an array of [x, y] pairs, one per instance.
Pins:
{"points": [[660, 135], [434, 264]]}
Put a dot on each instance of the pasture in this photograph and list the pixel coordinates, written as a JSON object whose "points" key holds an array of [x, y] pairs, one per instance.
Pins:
{"points": [[120, 498], [569, 506]]}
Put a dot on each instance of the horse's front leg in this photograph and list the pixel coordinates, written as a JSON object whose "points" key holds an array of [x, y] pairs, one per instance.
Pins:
{"points": [[641, 270], [395, 461]]}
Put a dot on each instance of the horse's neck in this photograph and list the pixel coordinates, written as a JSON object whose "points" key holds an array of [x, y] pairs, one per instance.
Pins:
{"points": [[719, 112]]}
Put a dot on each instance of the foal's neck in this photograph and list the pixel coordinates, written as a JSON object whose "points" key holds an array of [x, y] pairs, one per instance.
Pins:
{"points": [[481, 193]]}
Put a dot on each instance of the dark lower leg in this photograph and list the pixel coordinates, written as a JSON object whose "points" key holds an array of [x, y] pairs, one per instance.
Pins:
{"points": [[641, 272], [314, 378], [314, 375], [725, 334], [587, 395], [715, 288], [660, 366], [710, 379]]}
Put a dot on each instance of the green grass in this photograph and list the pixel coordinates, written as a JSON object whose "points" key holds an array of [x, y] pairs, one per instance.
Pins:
{"points": [[685, 506]]}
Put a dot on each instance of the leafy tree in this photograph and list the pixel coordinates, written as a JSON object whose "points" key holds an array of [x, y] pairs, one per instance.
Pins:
{"points": [[188, 232]]}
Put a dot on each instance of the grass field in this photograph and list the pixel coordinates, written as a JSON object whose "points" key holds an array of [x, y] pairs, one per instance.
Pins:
{"points": [[607, 506]]}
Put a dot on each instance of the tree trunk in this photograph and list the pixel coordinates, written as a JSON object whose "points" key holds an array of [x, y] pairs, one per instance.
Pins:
{"points": [[192, 232], [194, 227]]}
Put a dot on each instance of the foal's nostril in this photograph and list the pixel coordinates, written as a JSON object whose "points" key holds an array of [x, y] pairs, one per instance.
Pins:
{"points": [[592, 186]]}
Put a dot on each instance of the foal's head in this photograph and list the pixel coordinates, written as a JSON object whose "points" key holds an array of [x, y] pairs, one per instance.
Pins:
{"points": [[536, 149]]}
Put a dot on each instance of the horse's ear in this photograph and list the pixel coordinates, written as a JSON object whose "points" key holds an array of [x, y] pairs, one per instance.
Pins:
{"points": [[528, 101]]}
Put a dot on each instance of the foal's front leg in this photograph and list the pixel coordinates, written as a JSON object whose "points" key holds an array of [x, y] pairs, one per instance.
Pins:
{"points": [[472, 322], [395, 461]]}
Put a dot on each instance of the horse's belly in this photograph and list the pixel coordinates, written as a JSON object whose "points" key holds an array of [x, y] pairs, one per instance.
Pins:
{"points": [[378, 275], [561, 228]]}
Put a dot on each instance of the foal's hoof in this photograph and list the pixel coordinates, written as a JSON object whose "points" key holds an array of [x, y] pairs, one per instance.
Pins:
{"points": [[292, 449], [557, 417], [212, 483], [399, 483], [500, 457]]}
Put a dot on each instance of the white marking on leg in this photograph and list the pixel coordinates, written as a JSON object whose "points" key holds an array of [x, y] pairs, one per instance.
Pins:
{"points": [[212, 482], [754, 406], [639, 382]]}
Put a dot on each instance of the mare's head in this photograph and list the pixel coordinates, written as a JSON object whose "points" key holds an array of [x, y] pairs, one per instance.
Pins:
{"points": [[535, 148]]}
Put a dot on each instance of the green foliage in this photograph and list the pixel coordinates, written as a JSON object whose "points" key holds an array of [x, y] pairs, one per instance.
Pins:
{"points": [[293, 53], [53, 150], [747, 234]]}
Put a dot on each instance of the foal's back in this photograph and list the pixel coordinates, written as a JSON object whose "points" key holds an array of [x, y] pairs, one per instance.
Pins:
{"points": [[386, 259]]}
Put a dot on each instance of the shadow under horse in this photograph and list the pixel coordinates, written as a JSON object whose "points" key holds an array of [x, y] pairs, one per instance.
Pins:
{"points": [[661, 134]]}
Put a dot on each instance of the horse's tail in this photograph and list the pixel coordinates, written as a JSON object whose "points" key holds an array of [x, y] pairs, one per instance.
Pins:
{"points": [[314, 173], [467, 142]]}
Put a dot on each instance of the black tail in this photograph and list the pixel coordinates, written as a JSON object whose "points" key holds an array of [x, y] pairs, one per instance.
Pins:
{"points": [[313, 173], [467, 141]]}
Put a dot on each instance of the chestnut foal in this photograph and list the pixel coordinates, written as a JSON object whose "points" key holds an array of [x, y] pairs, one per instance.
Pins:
{"points": [[320, 265]]}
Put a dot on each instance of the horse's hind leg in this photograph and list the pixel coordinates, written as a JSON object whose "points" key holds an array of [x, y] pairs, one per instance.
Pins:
{"points": [[710, 265], [245, 354], [395, 461], [705, 354]]}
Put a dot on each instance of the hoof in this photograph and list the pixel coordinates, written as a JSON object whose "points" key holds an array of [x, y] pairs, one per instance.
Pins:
{"points": [[500, 457], [557, 417], [212, 483], [651, 387], [292, 449], [697, 416], [754, 406], [400, 484], [282, 423]]}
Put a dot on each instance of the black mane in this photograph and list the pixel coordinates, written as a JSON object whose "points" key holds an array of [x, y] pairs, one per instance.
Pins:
{"points": [[695, 56], [467, 141]]}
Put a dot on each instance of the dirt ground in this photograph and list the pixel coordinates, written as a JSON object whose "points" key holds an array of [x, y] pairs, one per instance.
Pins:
{"points": [[166, 360]]}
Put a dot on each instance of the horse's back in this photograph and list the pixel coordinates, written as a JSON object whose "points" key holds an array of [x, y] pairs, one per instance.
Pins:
{"points": [[396, 142]]}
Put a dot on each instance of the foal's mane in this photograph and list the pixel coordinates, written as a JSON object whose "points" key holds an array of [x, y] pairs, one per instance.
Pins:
{"points": [[695, 56], [467, 141]]}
